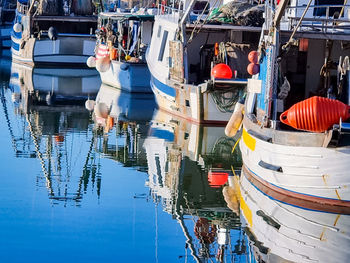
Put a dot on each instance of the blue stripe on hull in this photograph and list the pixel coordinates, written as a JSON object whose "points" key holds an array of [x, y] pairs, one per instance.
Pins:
{"points": [[163, 87]]}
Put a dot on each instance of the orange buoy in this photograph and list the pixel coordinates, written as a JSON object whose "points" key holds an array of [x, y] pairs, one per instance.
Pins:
{"points": [[221, 71], [253, 56], [59, 138], [316, 114], [113, 53], [217, 178], [253, 68]]}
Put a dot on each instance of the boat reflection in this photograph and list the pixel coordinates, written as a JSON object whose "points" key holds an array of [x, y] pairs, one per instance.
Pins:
{"points": [[50, 86], [56, 128], [279, 232], [186, 163], [123, 120]]}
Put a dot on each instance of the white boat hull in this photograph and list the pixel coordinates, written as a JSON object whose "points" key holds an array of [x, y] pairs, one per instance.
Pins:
{"points": [[65, 50], [131, 77], [312, 177]]}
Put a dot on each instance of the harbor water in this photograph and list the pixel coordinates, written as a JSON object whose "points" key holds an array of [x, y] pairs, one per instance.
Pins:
{"points": [[77, 186]]}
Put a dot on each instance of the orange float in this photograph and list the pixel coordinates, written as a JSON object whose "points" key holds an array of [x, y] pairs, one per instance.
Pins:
{"points": [[316, 114], [253, 68], [221, 71], [253, 56]]}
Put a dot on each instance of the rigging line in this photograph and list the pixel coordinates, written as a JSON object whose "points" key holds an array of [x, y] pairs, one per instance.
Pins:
{"points": [[179, 217], [201, 238], [4, 106], [285, 46], [40, 156], [78, 194]]}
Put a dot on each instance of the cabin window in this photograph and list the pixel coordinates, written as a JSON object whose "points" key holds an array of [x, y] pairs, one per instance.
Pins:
{"points": [[162, 46], [159, 31], [333, 11], [201, 6]]}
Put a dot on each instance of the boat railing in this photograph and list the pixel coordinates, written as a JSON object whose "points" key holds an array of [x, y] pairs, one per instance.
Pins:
{"points": [[170, 11], [320, 18], [22, 8]]}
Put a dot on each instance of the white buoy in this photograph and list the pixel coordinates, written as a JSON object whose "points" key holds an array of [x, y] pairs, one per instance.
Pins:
{"points": [[91, 62], [235, 121], [101, 110], [17, 27], [89, 105], [103, 64]]}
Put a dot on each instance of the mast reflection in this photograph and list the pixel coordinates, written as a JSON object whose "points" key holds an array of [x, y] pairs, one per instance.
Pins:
{"points": [[56, 128]]}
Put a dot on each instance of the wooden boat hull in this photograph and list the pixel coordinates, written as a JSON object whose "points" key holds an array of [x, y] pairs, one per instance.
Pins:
{"points": [[312, 177], [190, 103]]}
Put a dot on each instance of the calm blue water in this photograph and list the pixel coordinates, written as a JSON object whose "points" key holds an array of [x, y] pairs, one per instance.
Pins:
{"points": [[69, 193], [138, 185]]}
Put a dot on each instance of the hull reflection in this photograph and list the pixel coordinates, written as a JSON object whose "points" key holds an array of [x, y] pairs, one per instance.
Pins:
{"points": [[180, 156], [128, 115], [49, 86], [281, 232]]}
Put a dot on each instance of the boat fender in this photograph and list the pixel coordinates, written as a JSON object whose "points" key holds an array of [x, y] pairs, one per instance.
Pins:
{"points": [[103, 64], [89, 105], [315, 114], [50, 99], [17, 27], [253, 68], [91, 62], [52, 33], [221, 71], [101, 110], [124, 67], [253, 57], [234, 124]]}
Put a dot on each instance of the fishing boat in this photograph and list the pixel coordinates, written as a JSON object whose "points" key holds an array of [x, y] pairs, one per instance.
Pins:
{"points": [[295, 137], [120, 50], [198, 57], [49, 86], [53, 32], [279, 232]]}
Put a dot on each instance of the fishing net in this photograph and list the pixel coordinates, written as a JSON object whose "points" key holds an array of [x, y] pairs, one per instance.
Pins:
{"points": [[238, 13]]}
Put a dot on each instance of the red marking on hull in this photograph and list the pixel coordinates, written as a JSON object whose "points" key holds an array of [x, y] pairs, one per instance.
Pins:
{"points": [[298, 199]]}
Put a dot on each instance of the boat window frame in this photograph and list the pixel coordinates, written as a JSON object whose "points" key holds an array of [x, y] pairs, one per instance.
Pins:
{"points": [[159, 31], [162, 45]]}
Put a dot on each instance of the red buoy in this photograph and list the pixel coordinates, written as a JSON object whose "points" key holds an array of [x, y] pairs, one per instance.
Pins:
{"points": [[217, 179], [221, 71], [253, 57], [253, 68], [316, 114]]}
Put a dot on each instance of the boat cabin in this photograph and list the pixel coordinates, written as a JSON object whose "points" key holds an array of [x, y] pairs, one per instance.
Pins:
{"points": [[127, 33]]}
